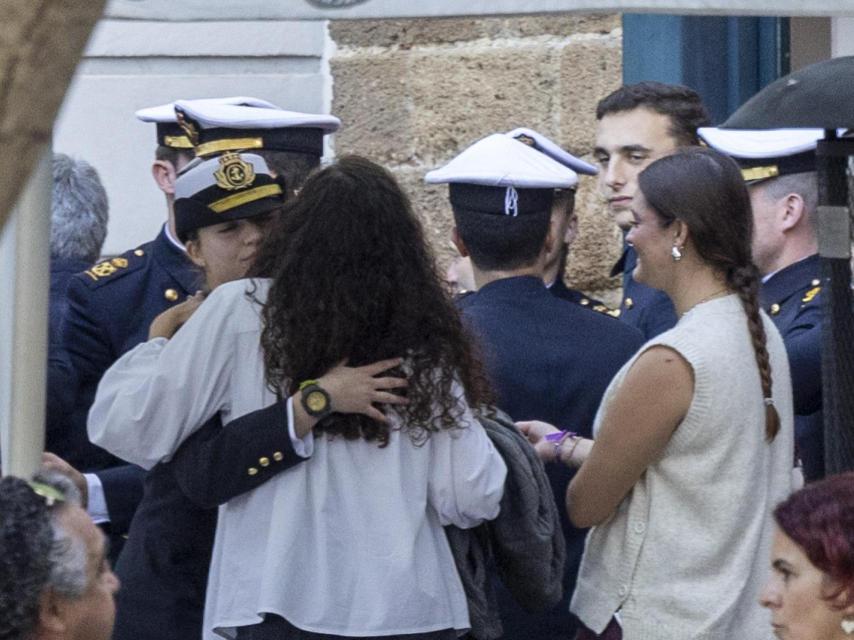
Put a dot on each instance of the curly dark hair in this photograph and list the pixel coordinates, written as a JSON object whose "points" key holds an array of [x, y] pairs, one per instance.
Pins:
{"points": [[682, 104], [354, 280], [25, 541]]}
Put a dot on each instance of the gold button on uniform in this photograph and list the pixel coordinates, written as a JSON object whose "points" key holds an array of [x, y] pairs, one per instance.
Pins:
{"points": [[252, 471], [816, 282], [629, 303], [171, 295], [775, 309], [278, 456], [264, 462], [139, 252], [584, 302]]}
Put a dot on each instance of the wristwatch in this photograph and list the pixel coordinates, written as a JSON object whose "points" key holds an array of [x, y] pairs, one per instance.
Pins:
{"points": [[314, 399]]}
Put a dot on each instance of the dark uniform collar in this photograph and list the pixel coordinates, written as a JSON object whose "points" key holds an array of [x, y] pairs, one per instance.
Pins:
{"points": [[790, 280], [514, 286], [560, 289], [176, 262]]}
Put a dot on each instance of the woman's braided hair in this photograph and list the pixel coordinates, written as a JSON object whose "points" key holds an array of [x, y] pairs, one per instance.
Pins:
{"points": [[704, 189]]}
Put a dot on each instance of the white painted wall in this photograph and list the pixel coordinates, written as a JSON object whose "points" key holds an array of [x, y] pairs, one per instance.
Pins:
{"points": [[842, 37], [130, 64]]}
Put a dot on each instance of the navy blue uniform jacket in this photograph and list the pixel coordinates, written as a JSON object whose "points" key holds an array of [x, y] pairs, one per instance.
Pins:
{"points": [[61, 380], [164, 564], [551, 360], [111, 306], [644, 308], [791, 297]]}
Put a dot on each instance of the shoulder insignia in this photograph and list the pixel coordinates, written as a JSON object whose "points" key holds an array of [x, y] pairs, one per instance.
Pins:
{"points": [[809, 295], [108, 270]]}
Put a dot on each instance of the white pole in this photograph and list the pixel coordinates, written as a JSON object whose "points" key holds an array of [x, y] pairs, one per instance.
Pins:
{"points": [[24, 285]]}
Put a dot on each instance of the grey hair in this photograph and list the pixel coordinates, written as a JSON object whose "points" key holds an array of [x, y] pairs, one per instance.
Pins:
{"points": [[79, 211], [804, 184], [35, 553], [68, 555]]}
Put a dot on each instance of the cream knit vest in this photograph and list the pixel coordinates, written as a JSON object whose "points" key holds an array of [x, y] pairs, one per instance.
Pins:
{"points": [[687, 550]]}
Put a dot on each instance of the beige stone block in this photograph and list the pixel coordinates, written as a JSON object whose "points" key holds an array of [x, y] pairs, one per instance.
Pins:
{"points": [[370, 98], [462, 95], [598, 245], [589, 70], [427, 31], [432, 207], [408, 33], [561, 25]]}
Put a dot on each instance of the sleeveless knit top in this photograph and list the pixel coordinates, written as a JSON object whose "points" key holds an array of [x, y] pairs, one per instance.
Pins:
{"points": [[687, 550]]}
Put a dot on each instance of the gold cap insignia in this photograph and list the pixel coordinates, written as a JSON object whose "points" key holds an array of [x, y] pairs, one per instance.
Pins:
{"points": [[526, 139], [809, 295], [188, 127], [234, 172]]}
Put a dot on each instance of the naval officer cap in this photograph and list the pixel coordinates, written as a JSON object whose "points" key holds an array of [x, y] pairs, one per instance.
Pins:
{"points": [[503, 174], [229, 187], [216, 128], [170, 133], [766, 153]]}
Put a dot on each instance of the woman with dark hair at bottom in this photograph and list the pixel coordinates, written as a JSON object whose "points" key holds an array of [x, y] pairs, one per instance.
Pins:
{"points": [[810, 591], [693, 440], [350, 543]]}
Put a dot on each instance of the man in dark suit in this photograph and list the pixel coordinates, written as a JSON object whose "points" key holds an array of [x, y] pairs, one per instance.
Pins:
{"points": [[544, 356], [779, 168], [637, 124]]}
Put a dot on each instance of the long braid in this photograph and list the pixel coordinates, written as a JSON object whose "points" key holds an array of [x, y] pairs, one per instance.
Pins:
{"points": [[745, 281]]}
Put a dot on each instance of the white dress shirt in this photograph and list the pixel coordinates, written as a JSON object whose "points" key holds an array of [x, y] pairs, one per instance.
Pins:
{"points": [[349, 543]]}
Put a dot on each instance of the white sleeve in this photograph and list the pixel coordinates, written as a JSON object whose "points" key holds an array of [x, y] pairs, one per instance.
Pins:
{"points": [[466, 474], [96, 506], [158, 393]]}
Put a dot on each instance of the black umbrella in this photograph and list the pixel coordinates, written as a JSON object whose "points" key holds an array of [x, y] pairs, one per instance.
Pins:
{"points": [[822, 96], [818, 96]]}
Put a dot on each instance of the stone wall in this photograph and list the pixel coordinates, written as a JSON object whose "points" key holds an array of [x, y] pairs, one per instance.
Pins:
{"points": [[413, 93]]}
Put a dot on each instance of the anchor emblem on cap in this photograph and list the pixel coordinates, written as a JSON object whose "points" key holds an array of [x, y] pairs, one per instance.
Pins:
{"points": [[188, 127], [234, 172]]}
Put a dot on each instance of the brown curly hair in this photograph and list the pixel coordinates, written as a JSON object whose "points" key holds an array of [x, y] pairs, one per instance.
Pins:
{"points": [[354, 280]]}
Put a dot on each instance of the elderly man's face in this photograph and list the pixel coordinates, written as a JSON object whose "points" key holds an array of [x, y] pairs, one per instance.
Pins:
{"points": [[91, 616]]}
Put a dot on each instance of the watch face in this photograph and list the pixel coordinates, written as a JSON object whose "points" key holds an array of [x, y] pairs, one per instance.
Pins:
{"points": [[316, 401]]}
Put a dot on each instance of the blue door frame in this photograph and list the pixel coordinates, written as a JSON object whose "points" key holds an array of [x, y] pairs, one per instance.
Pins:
{"points": [[726, 60]]}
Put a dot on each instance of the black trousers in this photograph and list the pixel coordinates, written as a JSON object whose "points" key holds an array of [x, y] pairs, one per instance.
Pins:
{"points": [[277, 628]]}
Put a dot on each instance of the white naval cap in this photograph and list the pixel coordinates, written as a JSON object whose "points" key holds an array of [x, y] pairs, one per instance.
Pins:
{"points": [[502, 175], [169, 132], [214, 128], [543, 144], [766, 153], [229, 187]]}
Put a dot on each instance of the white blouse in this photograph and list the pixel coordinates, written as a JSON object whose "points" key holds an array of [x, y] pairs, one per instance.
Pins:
{"points": [[349, 543]]}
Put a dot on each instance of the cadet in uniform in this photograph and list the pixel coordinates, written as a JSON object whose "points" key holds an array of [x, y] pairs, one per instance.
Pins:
{"points": [[779, 168], [111, 306], [165, 562], [565, 229], [637, 124], [544, 356]]}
